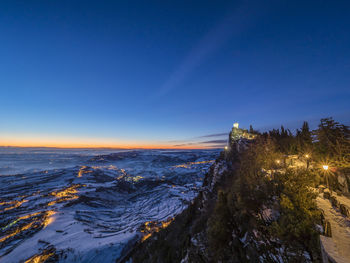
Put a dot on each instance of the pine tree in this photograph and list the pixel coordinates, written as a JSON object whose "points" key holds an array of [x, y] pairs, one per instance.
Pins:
{"points": [[304, 139], [333, 142], [219, 230]]}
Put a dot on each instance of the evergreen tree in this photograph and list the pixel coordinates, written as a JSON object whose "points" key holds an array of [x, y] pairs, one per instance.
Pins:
{"points": [[298, 212], [333, 142], [219, 230], [304, 139]]}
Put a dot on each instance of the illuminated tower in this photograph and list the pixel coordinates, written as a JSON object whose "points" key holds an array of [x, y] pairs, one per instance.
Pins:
{"points": [[236, 132]]}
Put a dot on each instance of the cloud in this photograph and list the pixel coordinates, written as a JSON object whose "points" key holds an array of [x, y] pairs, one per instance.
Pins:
{"points": [[214, 135], [185, 144], [231, 25], [217, 139], [216, 142]]}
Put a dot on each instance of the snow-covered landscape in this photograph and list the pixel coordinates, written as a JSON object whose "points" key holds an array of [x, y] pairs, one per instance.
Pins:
{"points": [[89, 205]]}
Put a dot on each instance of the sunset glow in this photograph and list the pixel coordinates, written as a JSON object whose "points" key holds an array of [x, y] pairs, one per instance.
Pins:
{"points": [[90, 143]]}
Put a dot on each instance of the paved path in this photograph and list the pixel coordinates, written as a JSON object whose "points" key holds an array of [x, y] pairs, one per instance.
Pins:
{"points": [[338, 246]]}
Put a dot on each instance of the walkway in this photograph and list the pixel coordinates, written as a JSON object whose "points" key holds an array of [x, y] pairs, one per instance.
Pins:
{"points": [[338, 246]]}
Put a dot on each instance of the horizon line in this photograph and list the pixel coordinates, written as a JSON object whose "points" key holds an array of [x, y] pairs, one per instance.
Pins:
{"points": [[113, 147]]}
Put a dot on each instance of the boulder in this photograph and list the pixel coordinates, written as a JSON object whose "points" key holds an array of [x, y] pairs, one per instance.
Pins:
{"points": [[343, 183], [344, 210], [334, 201]]}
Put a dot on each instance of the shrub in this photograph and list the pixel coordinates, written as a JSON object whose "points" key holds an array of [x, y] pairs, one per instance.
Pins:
{"points": [[344, 210], [326, 195]]}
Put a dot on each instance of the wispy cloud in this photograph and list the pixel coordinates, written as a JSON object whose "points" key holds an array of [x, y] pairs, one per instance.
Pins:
{"points": [[217, 138], [231, 25], [211, 143], [213, 135], [214, 141]]}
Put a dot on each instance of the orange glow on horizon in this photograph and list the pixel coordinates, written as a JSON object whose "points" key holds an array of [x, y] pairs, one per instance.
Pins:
{"points": [[101, 146], [76, 143]]}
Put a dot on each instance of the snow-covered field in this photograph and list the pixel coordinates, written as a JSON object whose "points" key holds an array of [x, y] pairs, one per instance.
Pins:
{"points": [[87, 206]]}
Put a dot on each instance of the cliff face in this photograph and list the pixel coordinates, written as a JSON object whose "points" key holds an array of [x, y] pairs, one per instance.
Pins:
{"points": [[186, 239], [248, 210]]}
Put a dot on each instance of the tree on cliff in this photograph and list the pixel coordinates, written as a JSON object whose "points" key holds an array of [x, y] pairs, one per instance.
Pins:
{"points": [[284, 139], [333, 142], [295, 227], [220, 231], [304, 139]]}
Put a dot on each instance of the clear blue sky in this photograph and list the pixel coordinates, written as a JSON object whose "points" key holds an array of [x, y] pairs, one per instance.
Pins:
{"points": [[164, 72]]}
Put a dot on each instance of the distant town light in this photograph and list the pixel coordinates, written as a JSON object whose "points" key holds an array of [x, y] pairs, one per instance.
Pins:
{"points": [[226, 148], [325, 167], [235, 125]]}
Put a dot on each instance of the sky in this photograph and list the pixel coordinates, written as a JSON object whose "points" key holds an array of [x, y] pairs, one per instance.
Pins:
{"points": [[160, 74]]}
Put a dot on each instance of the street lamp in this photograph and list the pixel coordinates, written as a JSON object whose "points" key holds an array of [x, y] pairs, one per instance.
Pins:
{"points": [[307, 160], [226, 148], [325, 169]]}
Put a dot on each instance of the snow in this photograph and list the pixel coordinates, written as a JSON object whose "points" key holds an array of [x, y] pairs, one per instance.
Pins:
{"points": [[219, 168], [244, 238], [83, 246], [90, 208], [337, 246], [269, 214], [185, 259], [343, 200]]}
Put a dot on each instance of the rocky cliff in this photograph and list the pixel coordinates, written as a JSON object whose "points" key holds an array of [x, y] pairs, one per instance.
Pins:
{"points": [[249, 209], [186, 239]]}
